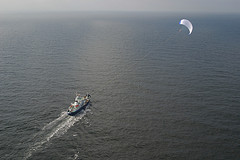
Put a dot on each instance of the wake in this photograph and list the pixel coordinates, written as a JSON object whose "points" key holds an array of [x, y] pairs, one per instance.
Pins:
{"points": [[54, 122], [54, 129]]}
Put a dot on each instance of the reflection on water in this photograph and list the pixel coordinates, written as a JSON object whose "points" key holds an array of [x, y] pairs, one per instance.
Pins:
{"points": [[156, 93]]}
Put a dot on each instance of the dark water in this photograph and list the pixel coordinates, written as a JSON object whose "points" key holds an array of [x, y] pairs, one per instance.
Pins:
{"points": [[156, 93]]}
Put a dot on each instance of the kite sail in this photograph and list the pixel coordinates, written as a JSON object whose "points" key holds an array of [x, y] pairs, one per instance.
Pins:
{"points": [[188, 24]]}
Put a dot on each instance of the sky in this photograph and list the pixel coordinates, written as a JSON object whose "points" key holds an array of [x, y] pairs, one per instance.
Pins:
{"points": [[209, 6]]}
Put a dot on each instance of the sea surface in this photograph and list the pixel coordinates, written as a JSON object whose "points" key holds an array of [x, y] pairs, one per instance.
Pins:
{"points": [[157, 92]]}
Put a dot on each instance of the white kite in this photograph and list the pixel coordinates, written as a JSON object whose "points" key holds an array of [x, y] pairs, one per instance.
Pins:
{"points": [[188, 24]]}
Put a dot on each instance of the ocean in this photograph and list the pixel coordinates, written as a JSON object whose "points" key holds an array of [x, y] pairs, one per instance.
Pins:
{"points": [[157, 92]]}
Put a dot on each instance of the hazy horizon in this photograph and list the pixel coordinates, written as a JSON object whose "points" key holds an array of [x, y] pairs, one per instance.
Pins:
{"points": [[197, 6]]}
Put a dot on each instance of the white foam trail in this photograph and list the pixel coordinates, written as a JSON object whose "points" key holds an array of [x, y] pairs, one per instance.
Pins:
{"points": [[56, 128], [76, 155], [49, 125], [65, 125]]}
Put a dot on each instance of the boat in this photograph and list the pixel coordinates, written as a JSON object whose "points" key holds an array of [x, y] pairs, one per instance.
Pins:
{"points": [[79, 104]]}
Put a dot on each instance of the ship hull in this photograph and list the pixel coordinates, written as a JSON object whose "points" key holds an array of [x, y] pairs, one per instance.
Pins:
{"points": [[78, 110]]}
